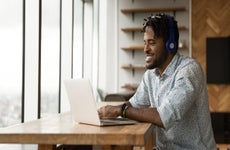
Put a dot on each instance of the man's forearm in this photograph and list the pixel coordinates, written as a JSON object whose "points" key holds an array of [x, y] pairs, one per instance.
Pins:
{"points": [[144, 115]]}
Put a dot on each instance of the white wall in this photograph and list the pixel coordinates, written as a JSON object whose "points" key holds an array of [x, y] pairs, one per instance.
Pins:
{"points": [[107, 46]]}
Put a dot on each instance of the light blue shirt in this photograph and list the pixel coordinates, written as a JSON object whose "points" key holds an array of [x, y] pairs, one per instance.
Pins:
{"points": [[180, 96]]}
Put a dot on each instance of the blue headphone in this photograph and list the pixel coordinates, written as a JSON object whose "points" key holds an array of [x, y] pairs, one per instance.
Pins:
{"points": [[171, 44]]}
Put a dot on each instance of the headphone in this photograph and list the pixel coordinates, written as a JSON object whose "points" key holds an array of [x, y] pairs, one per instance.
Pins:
{"points": [[171, 45]]}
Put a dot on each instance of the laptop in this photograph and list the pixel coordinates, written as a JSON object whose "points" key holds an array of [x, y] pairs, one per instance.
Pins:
{"points": [[83, 104]]}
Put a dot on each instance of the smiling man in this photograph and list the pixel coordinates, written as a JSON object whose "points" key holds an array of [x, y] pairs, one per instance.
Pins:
{"points": [[172, 94]]}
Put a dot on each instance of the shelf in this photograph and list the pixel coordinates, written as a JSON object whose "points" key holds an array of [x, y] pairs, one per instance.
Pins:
{"points": [[134, 48], [133, 67], [141, 47], [130, 86], [136, 29], [132, 29], [149, 10], [181, 28]]}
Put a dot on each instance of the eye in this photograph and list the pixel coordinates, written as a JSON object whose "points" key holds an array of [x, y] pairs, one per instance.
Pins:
{"points": [[152, 42]]}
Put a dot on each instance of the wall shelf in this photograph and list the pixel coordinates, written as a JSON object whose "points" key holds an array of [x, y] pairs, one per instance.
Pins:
{"points": [[132, 66], [134, 48], [132, 29], [136, 29], [149, 10], [141, 48], [130, 86]]}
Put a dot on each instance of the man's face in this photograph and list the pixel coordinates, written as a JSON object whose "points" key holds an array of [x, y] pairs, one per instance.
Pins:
{"points": [[154, 49]]}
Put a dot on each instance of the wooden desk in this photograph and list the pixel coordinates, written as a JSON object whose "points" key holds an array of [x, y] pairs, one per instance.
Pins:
{"points": [[60, 129]]}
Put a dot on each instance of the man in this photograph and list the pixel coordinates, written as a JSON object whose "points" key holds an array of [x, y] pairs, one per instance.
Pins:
{"points": [[172, 94]]}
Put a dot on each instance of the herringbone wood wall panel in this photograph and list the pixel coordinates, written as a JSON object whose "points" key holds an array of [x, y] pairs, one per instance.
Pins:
{"points": [[211, 18]]}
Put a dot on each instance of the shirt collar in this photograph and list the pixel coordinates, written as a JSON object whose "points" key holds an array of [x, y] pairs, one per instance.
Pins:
{"points": [[170, 68]]}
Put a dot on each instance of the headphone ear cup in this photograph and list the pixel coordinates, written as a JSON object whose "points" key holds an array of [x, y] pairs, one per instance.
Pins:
{"points": [[171, 45]]}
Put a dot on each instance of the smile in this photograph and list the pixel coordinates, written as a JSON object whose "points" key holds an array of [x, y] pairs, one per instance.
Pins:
{"points": [[148, 57]]}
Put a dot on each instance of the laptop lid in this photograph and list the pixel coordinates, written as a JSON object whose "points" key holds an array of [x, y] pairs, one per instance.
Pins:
{"points": [[82, 102]]}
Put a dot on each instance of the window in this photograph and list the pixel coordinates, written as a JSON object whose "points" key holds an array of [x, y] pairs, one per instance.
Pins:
{"points": [[43, 43], [50, 57], [10, 62]]}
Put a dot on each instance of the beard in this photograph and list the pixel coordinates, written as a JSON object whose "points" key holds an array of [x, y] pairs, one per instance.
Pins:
{"points": [[156, 61]]}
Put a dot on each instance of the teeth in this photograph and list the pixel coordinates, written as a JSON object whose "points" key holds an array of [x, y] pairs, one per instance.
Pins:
{"points": [[148, 58]]}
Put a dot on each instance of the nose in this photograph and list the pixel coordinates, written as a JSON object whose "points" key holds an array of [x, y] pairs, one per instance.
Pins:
{"points": [[146, 47]]}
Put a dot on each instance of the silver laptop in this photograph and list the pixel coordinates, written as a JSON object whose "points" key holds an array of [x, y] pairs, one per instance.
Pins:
{"points": [[83, 104]]}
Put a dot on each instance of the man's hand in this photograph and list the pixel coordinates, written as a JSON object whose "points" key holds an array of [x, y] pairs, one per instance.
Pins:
{"points": [[109, 111]]}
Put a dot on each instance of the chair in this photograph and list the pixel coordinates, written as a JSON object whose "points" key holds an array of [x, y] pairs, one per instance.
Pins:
{"points": [[114, 97], [118, 96]]}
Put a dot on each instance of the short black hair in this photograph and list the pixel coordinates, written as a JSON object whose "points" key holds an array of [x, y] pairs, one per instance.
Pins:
{"points": [[161, 26]]}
